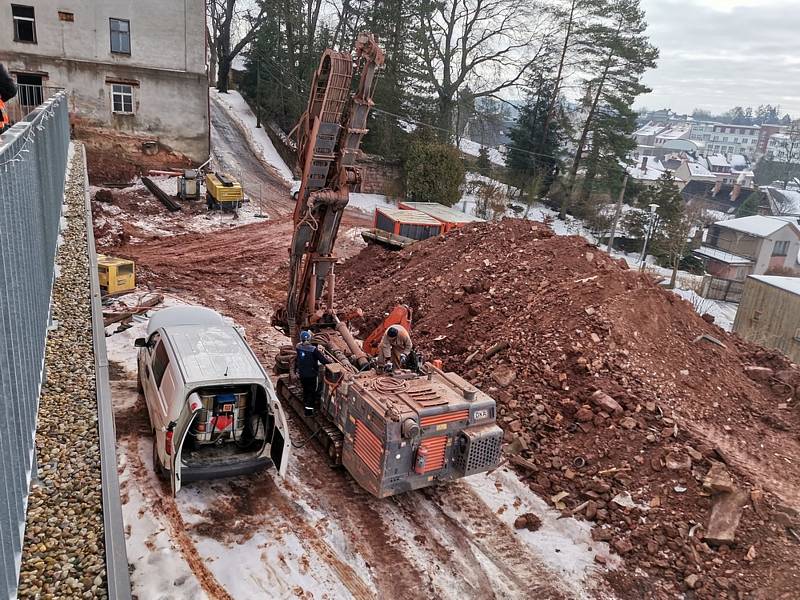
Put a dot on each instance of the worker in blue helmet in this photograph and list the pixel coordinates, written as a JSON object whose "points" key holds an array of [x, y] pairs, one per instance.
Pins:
{"points": [[306, 367]]}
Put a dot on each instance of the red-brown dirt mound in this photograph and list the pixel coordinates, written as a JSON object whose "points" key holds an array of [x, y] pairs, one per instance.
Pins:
{"points": [[614, 406]]}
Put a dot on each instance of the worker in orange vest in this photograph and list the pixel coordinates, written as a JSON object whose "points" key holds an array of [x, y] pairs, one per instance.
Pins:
{"points": [[8, 89]]}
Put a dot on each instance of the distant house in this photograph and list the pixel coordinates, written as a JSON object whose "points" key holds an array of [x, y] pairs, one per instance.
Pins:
{"points": [[694, 171], [764, 135], [718, 164], [702, 131], [783, 147], [646, 171], [754, 245], [722, 199], [769, 313], [734, 139]]}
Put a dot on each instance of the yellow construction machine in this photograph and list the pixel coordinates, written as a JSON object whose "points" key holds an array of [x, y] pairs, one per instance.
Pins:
{"points": [[223, 192], [116, 275]]}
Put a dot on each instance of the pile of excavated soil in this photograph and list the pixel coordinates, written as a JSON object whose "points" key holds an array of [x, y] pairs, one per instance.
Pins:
{"points": [[614, 407]]}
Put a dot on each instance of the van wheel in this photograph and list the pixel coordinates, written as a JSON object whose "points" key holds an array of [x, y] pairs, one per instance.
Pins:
{"points": [[139, 386], [156, 461]]}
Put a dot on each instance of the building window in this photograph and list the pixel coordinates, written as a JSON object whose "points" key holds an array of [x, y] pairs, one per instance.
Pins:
{"points": [[780, 249], [122, 98], [68, 17], [120, 36], [24, 23]]}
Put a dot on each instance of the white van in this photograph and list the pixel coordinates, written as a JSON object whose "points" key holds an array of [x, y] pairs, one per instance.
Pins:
{"points": [[213, 409]]}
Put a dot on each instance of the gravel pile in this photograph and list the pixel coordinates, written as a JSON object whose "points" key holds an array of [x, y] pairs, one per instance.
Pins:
{"points": [[63, 554]]}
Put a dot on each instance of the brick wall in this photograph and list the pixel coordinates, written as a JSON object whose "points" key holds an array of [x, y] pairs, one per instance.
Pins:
{"points": [[381, 176]]}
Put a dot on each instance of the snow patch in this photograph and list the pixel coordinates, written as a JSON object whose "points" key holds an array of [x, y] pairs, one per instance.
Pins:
{"points": [[473, 149], [724, 313], [564, 545], [368, 202]]}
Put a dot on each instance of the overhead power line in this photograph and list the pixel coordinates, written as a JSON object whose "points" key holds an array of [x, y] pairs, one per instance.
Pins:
{"points": [[406, 118]]}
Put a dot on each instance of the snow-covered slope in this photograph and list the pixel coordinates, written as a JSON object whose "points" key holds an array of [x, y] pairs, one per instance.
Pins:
{"points": [[237, 108]]}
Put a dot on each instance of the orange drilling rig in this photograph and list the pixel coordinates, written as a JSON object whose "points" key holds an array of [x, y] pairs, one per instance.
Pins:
{"points": [[393, 431]]}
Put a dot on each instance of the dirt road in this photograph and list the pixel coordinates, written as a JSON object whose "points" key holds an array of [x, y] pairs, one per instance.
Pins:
{"points": [[233, 153]]}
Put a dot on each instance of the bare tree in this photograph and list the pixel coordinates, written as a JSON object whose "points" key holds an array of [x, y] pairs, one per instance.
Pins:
{"points": [[227, 18], [788, 150], [484, 45]]}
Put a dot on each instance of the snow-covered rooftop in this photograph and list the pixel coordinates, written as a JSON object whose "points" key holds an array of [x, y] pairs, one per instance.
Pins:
{"points": [[648, 130], [758, 225], [674, 133], [698, 170], [652, 171], [722, 256], [738, 161], [718, 160], [790, 284], [783, 202]]}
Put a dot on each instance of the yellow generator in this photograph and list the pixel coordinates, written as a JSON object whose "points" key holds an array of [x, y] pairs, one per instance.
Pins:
{"points": [[223, 192], [117, 275]]}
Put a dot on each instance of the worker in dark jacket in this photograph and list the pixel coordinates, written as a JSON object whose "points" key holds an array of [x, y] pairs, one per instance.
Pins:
{"points": [[8, 89], [306, 367]]}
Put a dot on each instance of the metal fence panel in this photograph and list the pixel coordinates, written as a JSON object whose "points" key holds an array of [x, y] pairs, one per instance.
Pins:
{"points": [[33, 160], [727, 290]]}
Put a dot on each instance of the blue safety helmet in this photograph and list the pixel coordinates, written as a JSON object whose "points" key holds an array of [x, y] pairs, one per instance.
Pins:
{"points": [[305, 336], [392, 332]]}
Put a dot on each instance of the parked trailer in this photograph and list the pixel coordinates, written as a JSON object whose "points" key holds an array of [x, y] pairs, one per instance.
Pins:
{"points": [[449, 217], [411, 224]]}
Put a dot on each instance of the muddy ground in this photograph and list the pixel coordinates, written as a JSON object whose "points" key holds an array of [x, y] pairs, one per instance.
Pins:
{"points": [[315, 534]]}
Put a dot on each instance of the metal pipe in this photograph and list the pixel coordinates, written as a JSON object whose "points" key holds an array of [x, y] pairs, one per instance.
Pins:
{"points": [[352, 345], [331, 286], [312, 289], [469, 392]]}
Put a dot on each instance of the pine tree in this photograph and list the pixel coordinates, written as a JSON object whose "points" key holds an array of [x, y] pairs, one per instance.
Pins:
{"points": [[749, 207], [483, 163], [536, 137], [434, 172], [617, 53]]}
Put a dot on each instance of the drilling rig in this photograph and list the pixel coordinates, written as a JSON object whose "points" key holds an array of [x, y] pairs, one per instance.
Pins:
{"points": [[393, 432]]}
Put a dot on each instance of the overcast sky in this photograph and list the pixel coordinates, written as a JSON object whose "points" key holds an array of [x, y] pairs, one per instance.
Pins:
{"points": [[716, 54]]}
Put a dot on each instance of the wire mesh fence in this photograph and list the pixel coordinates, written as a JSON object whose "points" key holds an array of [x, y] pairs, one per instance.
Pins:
{"points": [[33, 160], [28, 98]]}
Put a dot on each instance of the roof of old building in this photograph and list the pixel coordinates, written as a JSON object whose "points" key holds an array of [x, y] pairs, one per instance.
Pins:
{"points": [[722, 256], [703, 191], [790, 284], [758, 225]]}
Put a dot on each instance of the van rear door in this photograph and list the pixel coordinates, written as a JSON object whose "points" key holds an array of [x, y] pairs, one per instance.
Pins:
{"points": [[179, 431], [281, 445]]}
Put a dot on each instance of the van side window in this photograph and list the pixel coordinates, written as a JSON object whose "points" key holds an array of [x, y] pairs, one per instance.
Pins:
{"points": [[160, 362]]}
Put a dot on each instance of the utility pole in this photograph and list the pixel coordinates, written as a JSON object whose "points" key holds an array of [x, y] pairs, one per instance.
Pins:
{"points": [[616, 215], [258, 93]]}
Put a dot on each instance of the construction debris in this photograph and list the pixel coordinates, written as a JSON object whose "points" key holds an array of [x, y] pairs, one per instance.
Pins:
{"points": [[162, 196], [724, 518], [624, 386]]}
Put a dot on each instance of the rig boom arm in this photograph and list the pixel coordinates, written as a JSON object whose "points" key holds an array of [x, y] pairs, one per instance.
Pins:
{"points": [[328, 138]]}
